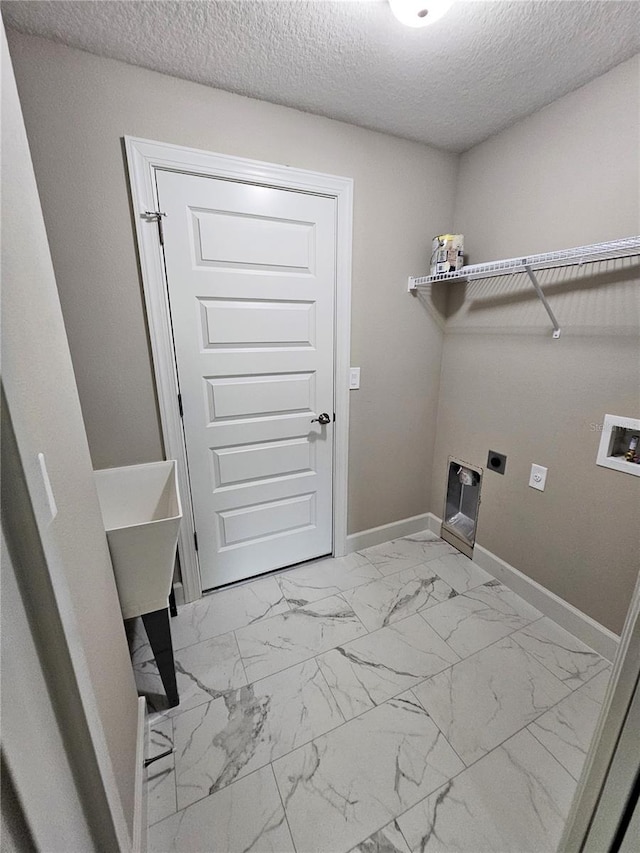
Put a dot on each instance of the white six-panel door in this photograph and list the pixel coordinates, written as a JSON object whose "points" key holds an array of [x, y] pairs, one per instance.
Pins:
{"points": [[251, 279]]}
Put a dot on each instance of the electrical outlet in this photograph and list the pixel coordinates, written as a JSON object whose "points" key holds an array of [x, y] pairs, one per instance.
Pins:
{"points": [[354, 378], [538, 477]]}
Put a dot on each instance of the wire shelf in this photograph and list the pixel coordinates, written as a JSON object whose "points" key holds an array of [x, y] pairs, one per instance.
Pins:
{"points": [[625, 248]]}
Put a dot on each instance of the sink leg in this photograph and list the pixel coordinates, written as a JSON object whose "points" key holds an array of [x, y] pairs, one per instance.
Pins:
{"points": [[158, 631], [173, 609]]}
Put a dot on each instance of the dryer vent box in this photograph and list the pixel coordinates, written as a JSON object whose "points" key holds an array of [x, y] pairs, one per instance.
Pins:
{"points": [[462, 503]]}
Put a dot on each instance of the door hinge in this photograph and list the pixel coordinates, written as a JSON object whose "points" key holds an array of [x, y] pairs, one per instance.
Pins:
{"points": [[181, 410], [195, 539], [334, 417], [157, 215]]}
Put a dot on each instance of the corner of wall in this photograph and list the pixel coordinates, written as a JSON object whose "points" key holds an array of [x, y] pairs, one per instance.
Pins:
{"points": [[564, 176]]}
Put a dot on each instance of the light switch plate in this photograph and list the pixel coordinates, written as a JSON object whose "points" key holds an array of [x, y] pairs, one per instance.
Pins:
{"points": [[538, 477], [354, 378]]}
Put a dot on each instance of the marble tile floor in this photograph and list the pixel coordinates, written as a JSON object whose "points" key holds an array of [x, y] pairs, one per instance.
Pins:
{"points": [[397, 700]]}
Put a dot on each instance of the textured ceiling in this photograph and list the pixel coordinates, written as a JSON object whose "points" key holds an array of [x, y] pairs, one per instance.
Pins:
{"points": [[476, 71]]}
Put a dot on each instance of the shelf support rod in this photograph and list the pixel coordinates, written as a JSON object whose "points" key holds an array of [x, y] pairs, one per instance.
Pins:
{"points": [[543, 299]]}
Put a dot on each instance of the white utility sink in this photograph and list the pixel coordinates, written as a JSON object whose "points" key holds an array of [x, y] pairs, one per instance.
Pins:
{"points": [[141, 512]]}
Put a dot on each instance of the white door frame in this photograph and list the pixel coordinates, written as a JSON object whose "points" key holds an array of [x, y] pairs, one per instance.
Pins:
{"points": [[144, 156], [611, 765]]}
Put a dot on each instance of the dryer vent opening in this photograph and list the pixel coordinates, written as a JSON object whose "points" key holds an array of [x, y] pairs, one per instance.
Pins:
{"points": [[462, 503]]}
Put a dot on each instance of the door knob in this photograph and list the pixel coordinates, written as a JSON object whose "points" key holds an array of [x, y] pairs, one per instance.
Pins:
{"points": [[321, 419]]}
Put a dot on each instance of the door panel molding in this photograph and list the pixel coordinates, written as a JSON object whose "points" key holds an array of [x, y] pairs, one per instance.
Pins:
{"points": [[144, 157], [260, 390]]}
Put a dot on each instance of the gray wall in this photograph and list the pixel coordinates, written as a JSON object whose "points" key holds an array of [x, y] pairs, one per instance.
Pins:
{"points": [[78, 106], [564, 177], [62, 565]]}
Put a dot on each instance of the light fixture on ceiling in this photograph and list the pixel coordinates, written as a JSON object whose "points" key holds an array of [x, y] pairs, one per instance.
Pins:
{"points": [[419, 13]]}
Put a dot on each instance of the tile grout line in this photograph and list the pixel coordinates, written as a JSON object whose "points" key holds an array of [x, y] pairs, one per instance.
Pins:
{"points": [[284, 811], [465, 767], [258, 621], [321, 671], [370, 633], [175, 799], [340, 594], [202, 799], [276, 577], [293, 749], [367, 631], [293, 609], [542, 663], [559, 702], [334, 590], [396, 593], [356, 716], [173, 758], [374, 832], [409, 689], [446, 739], [395, 818], [522, 728], [473, 654], [413, 566], [546, 748], [518, 731], [368, 710], [477, 760], [488, 646], [244, 669], [312, 655], [211, 594]]}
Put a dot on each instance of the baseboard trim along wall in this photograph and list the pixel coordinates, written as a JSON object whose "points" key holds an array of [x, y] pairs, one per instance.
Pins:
{"points": [[140, 791], [178, 591], [387, 532], [595, 635]]}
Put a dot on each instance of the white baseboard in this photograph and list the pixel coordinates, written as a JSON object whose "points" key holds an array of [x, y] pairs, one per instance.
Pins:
{"points": [[140, 789], [435, 524], [595, 635], [178, 591], [387, 532]]}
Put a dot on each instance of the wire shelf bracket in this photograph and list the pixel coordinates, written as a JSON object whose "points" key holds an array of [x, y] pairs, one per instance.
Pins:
{"points": [[625, 248], [543, 299]]}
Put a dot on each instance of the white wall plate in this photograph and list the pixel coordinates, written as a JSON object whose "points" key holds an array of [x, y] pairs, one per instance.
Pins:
{"points": [[614, 440]]}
